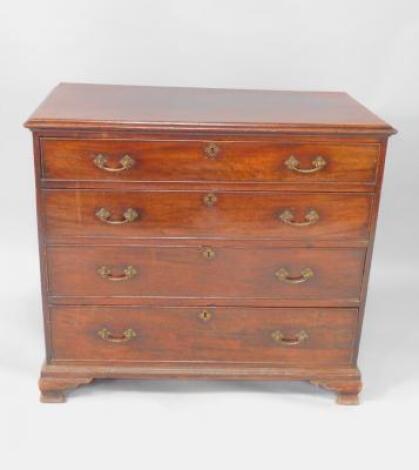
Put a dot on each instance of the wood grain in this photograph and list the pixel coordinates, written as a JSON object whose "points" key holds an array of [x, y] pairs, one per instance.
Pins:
{"points": [[179, 334], [185, 214], [166, 131], [186, 161], [184, 272], [74, 105]]}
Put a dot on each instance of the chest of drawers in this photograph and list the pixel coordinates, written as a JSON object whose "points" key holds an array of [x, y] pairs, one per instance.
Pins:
{"points": [[204, 233]]}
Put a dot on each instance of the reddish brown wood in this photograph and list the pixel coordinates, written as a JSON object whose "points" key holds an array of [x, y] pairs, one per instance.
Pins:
{"points": [[166, 131], [73, 105], [337, 378], [53, 388], [41, 242], [184, 272], [374, 218], [347, 390], [184, 334], [161, 160], [186, 214]]}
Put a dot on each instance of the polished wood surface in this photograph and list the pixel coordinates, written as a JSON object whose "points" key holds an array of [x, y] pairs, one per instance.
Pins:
{"points": [[186, 272], [186, 334], [211, 234], [186, 161], [213, 214], [74, 105]]}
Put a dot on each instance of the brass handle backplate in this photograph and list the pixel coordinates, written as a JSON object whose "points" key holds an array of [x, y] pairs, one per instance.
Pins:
{"points": [[106, 273], [211, 151], [287, 216], [317, 164], [125, 163], [210, 199], [208, 252], [128, 216], [284, 276], [126, 336], [282, 339]]}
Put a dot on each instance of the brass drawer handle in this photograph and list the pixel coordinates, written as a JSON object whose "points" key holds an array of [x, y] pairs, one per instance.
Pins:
{"points": [[208, 252], [105, 216], [310, 218], [280, 338], [211, 151], [106, 273], [293, 164], [126, 336], [210, 199], [284, 276], [126, 162]]}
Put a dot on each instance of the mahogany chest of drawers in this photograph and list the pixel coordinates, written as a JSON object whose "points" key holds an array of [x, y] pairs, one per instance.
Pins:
{"points": [[204, 233]]}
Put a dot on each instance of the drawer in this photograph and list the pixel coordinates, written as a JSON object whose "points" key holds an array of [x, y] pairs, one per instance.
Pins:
{"points": [[206, 272], [127, 160], [283, 336], [220, 214]]}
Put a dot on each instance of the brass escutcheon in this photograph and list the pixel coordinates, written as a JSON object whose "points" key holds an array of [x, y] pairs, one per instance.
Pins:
{"points": [[211, 151], [210, 199], [205, 315], [208, 252]]}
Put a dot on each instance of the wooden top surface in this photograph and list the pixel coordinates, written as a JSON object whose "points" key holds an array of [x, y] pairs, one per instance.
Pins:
{"points": [[88, 106]]}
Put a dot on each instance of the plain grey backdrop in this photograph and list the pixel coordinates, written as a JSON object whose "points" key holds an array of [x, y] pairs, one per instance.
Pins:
{"points": [[368, 48]]}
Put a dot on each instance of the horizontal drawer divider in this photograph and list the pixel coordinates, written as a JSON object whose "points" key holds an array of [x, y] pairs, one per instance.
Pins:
{"points": [[201, 301], [140, 242], [365, 188]]}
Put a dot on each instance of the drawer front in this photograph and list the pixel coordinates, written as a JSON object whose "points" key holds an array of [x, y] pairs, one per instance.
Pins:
{"points": [[119, 160], [205, 272], [220, 214], [282, 336]]}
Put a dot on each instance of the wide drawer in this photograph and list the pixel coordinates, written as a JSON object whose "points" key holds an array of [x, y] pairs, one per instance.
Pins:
{"points": [[193, 214], [206, 272], [283, 336], [127, 160]]}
